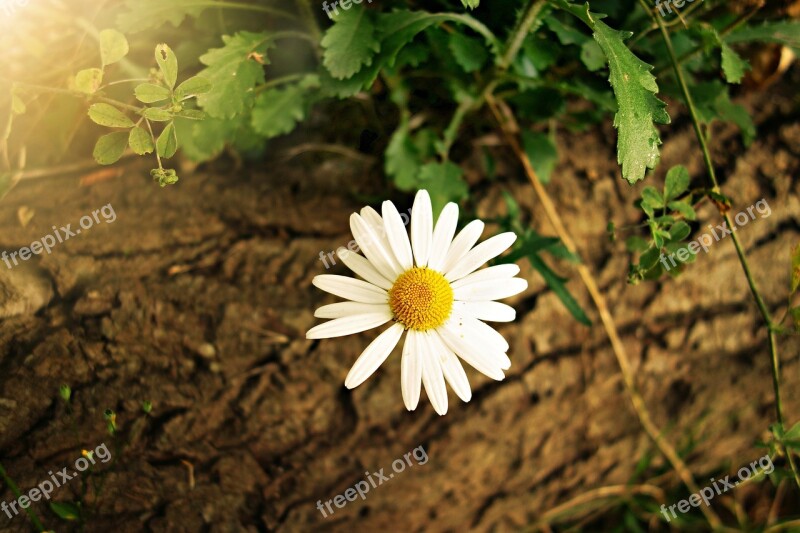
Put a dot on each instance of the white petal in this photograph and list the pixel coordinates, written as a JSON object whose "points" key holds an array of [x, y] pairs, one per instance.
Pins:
{"points": [[473, 355], [348, 325], [443, 236], [397, 235], [452, 369], [477, 332], [494, 272], [351, 289], [362, 267], [490, 290], [432, 376], [370, 243], [485, 310], [411, 371], [465, 240], [422, 228], [343, 309], [374, 356], [488, 249], [374, 219]]}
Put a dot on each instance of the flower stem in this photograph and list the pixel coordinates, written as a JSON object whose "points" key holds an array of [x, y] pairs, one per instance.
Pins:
{"points": [[13, 486], [762, 306]]}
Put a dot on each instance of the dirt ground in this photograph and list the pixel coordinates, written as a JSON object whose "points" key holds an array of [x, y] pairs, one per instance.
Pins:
{"points": [[197, 298]]}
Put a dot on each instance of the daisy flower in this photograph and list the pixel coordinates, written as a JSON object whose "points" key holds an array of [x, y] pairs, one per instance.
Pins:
{"points": [[429, 288]]}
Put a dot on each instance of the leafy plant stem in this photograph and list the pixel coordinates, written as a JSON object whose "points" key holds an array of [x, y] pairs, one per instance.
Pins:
{"points": [[279, 81], [311, 24], [13, 486], [605, 315], [520, 32], [762, 307]]}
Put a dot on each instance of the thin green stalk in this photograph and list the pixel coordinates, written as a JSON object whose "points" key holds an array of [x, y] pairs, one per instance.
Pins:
{"points": [[520, 32], [762, 307], [13, 486], [311, 23]]}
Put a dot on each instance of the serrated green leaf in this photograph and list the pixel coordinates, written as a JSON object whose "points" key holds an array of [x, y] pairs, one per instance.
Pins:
{"points": [[542, 153], [635, 89], [140, 141], [234, 70], [471, 4], [149, 93], [350, 44], [147, 14], [733, 66], [109, 116], [168, 64], [88, 80], [469, 53], [66, 510], [684, 209], [444, 183], [192, 87], [110, 147], [157, 114], [677, 182], [403, 159], [713, 103], [167, 142], [277, 111], [113, 46]]}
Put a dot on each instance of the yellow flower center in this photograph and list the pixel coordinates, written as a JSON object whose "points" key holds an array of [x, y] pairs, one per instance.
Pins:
{"points": [[421, 299]]}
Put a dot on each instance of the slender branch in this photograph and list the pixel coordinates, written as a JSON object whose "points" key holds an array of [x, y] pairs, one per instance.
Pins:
{"points": [[762, 306], [605, 316], [602, 493], [520, 32]]}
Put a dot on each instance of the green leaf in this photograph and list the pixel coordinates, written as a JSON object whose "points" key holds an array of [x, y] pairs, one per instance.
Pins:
{"points": [[652, 197], [234, 70], [557, 285], [634, 243], [470, 54], [733, 66], [403, 159], [566, 34], [167, 142], [168, 64], [713, 103], [635, 89], [149, 93], [471, 4], [783, 32], [277, 111], [542, 152], [679, 231], [110, 147], [88, 80], [677, 182], [592, 56], [140, 141], [444, 183], [147, 14], [66, 510], [192, 87], [157, 114], [684, 208], [192, 114], [108, 115], [350, 44], [113, 46], [795, 269]]}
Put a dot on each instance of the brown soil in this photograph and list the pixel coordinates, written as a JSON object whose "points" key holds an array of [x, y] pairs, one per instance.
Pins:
{"points": [[198, 296]]}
